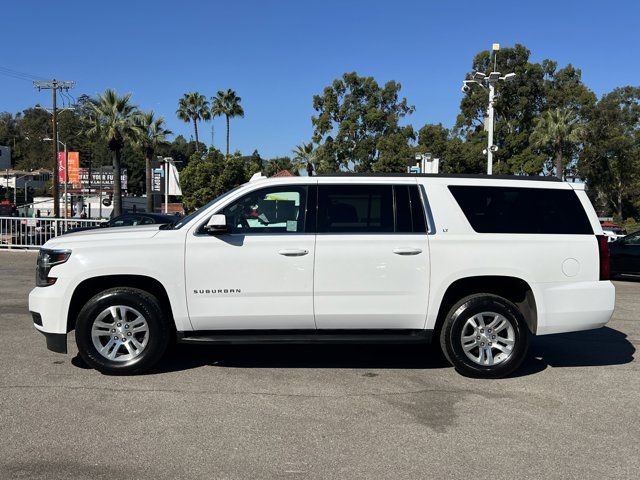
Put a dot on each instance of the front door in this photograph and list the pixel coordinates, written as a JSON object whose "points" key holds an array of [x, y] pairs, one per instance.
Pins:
{"points": [[260, 274], [372, 257]]}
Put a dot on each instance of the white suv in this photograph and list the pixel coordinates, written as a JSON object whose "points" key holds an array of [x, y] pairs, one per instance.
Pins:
{"points": [[479, 263]]}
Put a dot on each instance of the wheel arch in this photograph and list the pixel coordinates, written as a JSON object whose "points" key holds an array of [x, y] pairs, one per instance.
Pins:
{"points": [[91, 286], [512, 288]]}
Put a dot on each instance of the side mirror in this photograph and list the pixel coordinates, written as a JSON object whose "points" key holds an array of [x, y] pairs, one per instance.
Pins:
{"points": [[217, 225]]}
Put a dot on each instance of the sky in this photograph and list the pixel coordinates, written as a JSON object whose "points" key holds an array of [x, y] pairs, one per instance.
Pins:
{"points": [[277, 54]]}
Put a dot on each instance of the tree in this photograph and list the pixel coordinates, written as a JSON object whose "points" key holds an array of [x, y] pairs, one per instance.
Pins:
{"points": [[611, 158], [278, 164], [393, 152], [113, 122], [304, 158], [193, 107], [558, 131], [227, 103], [29, 151], [150, 132], [353, 114], [235, 173], [180, 150], [537, 87], [198, 179]]}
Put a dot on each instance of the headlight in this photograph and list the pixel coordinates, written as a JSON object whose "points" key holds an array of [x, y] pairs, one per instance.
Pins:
{"points": [[46, 260]]}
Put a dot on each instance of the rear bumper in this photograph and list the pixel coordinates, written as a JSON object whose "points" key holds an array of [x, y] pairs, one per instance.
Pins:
{"points": [[575, 306]]}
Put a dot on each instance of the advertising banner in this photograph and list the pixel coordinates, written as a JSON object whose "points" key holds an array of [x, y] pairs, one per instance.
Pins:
{"points": [[157, 178], [100, 179], [74, 167]]}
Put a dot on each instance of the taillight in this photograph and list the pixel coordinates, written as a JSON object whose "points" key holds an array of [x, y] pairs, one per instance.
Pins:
{"points": [[603, 250]]}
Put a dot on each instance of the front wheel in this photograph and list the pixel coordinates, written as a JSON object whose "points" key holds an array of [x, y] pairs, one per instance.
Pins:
{"points": [[122, 331], [485, 336]]}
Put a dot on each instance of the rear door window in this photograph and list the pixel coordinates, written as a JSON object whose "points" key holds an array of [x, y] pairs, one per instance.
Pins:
{"points": [[409, 209], [370, 209], [355, 209], [493, 209]]}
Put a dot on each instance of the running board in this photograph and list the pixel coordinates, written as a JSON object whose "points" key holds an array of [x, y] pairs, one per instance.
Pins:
{"points": [[304, 336]]}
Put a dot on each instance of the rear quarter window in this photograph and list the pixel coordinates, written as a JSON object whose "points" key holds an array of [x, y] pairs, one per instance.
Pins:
{"points": [[522, 210]]}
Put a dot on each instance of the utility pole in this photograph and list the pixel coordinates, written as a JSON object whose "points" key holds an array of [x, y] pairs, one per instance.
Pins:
{"points": [[54, 85]]}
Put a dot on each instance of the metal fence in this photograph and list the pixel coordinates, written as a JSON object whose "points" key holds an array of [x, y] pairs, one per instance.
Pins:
{"points": [[32, 233]]}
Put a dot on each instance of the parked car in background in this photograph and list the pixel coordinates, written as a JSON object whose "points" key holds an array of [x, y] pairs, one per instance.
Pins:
{"points": [[625, 255], [612, 231], [132, 219]]}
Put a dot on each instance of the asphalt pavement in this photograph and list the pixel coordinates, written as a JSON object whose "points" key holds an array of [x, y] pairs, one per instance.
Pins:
{"points": [[318, 412]]}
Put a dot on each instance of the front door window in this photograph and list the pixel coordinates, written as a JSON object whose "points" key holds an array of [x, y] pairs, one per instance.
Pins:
{"points": [[277, 210]]}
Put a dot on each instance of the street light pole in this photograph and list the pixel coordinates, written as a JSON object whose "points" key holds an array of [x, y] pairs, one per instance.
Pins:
{"points": [[66, 177], [489, 83], [490, 146], [166, 185], [66, 169], [15, 189]]}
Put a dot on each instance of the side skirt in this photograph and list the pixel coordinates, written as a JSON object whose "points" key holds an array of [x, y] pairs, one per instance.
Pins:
{"points": [[304, 336]]}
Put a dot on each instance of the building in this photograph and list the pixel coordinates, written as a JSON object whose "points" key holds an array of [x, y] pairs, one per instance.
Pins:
{"points": [[24, 179]]}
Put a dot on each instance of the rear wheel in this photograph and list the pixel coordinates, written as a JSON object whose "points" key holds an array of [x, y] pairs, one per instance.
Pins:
{"points": [[485, 336], [122, 331]]}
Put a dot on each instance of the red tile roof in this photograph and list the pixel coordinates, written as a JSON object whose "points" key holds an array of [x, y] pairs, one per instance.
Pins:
{"points": [[283, 173]]}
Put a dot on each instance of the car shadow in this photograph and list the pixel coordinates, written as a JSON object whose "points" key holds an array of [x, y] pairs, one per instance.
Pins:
{"points": [[354, 356], [601, 347], [591, 348]]}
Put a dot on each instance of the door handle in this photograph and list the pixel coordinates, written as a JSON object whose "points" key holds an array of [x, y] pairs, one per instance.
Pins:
{"points": [[407, 251], [293, 252]]}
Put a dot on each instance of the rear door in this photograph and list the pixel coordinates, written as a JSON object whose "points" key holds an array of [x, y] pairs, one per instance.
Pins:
{"points": [[372, 257]]}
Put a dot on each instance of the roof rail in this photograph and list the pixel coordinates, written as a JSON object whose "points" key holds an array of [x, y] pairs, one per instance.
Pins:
{"points": [[478, 176]]}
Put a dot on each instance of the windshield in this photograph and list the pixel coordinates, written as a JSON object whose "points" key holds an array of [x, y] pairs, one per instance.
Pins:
{"points": [[183, 221]]}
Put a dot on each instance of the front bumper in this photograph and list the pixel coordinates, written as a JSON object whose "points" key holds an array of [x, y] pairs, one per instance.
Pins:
{"points": [[49, 312], [574, 306], [56, 342]]}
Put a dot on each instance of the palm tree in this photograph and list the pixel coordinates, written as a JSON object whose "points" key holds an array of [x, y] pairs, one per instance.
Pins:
{"points": [[304, 156], [113, 122], [150, 132], [559, 130], [192, 107], [226, 103]]}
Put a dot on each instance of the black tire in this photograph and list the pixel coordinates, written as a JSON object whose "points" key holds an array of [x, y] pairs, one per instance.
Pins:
{"points": [[468, 307], [159, 331]]}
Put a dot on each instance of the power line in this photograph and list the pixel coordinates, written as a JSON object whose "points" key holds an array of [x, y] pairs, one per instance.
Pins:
{"points": [[17, 74]]}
